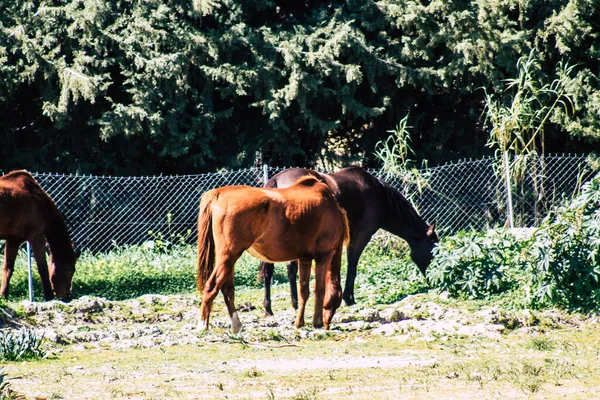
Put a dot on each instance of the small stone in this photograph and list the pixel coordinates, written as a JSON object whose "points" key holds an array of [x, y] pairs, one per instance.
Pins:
{"points": [[391, 315], [370, 315]]}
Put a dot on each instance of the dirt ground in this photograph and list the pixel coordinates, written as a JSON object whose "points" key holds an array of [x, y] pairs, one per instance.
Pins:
{"points": [[425, 346]]}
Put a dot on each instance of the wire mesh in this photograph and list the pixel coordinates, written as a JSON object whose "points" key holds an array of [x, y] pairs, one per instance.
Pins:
{"points": [[103, 212]]}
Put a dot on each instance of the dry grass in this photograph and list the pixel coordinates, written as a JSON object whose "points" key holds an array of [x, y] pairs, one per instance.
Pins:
{"points": [[357, 360]]}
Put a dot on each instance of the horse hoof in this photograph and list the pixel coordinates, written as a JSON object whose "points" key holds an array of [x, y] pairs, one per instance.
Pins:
{"points": [[318, 323], [236, 325], [268, 312], [202, 326]]}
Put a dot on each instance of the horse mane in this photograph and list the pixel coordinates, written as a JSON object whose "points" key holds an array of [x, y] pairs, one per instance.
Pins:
{"points": [[307, 180], [56, 231], [59, 240], [400, 206]]}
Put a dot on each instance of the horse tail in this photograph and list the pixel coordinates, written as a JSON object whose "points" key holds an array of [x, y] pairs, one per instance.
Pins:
{"points": [[206, 243], [346, 227]]}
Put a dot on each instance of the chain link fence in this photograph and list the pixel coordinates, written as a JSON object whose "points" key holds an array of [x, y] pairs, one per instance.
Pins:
{"points": [[471, 195], [103, 212]]}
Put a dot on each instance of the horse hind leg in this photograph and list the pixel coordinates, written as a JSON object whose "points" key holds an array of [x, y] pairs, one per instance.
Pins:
{"points": [[228, 291], [267, 275], [221, 273], [321, 267], [303, 282], [11, 249], [333, 290]]}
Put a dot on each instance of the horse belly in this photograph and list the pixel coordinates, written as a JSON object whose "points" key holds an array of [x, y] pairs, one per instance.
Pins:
{"points": [[278, 252]]}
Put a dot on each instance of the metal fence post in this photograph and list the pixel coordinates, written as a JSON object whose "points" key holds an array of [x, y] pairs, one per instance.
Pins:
{"points": [[30, 272], [266, 173], [508, 191]]}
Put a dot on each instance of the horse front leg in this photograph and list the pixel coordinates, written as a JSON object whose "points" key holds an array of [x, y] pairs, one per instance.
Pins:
{"points": [[38, 246], [355, 248], [11, 249], [267, 274], [303, 282]]}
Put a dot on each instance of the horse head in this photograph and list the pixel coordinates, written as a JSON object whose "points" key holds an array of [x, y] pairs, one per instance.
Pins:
{"points": [[421, 249], [61, 276]]}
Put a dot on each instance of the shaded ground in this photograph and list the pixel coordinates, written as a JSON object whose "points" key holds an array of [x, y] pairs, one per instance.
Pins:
{"points": [[422, 347]]}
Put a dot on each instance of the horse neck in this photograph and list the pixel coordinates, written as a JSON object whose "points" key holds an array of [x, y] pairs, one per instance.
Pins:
{"points": [[58, 239], [401, 218]]}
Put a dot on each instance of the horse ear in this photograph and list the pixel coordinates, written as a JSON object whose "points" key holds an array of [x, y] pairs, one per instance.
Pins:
{"points": [[431, 230], [76, 250]]}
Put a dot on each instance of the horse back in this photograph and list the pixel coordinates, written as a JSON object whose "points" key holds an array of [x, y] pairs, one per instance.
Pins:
{"points": [[359, 193], [25, 208], [311, 209], [277, 224], [290, 176]]}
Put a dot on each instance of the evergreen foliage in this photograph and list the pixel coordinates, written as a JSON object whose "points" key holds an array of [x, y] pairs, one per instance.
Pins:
{"points": [[132, 87]]}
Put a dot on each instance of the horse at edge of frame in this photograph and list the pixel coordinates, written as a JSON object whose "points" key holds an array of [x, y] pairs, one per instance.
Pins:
{"points": [[28, 213]]}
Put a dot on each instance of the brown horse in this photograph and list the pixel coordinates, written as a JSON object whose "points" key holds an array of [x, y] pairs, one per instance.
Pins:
{"points": [[27, 213], [301, 222], [370, 205]]}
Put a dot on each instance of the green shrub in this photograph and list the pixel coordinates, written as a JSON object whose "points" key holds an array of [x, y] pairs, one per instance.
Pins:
{"points": [[566, 254], [559, 266], [6, 392], [478, 265]]}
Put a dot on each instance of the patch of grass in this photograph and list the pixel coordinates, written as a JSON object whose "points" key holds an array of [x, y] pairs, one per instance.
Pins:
{"points": [[6, 391], [541, 342], [253, 373], [132, 271], [386, 274], [308, 394], [527, 375]]}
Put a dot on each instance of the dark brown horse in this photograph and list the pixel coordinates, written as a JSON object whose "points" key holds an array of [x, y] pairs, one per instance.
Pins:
{"points": [[301, 222], [27, 213], [370, 205]]}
